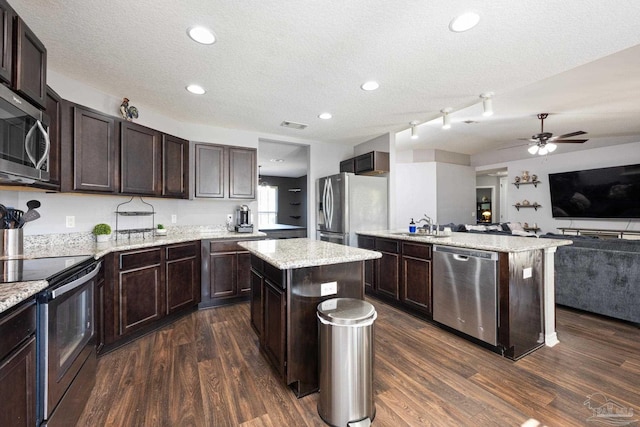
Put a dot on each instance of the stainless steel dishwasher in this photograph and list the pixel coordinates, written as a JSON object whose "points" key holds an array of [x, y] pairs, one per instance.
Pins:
{"points": [[465, 295]]}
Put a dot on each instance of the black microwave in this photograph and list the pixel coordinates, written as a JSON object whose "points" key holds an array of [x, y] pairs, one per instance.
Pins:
{"points": [[24, 140]]}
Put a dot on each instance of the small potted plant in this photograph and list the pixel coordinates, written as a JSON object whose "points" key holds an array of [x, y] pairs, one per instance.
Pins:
{"points": [[102, 232], [161, 231]]}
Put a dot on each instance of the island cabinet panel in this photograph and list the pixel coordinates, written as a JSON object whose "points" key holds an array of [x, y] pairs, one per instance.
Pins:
{"points": [[275, 327], [140, 160], [18, 365], [520, 329], [388, 268], [416, 276], [175, 167], [287, 300], [257, 293], [93, 153]]}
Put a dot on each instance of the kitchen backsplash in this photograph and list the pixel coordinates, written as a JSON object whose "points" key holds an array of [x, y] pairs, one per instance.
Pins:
{"points": [[89, 210]]}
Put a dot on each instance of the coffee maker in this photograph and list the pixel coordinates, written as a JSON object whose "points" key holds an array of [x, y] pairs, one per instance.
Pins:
{"points": [[243, 219]]}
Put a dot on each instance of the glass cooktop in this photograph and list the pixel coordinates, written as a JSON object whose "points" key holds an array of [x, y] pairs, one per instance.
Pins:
{"points": [[24, 270]]}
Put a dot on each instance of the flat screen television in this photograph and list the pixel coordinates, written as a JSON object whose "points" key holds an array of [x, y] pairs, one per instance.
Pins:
{"points": [[596, 193]]}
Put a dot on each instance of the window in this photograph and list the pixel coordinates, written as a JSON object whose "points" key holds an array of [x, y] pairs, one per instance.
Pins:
{"points": [[267, 205]]}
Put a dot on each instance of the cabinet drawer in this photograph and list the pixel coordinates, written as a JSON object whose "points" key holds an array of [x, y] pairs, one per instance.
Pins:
{"points": [[388, 245], [416, 251], [275, 275], [224, 247], [16, 327], [132, 260], [366, 242], [182, 251]]}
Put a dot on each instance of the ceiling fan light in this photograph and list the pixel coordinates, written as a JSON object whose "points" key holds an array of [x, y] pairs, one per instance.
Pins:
{"points": [[533, 149], [551, 147], [543, 150]]}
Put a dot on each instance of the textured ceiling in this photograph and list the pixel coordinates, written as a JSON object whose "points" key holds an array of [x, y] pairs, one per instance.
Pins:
{"points": [[281, 60]]}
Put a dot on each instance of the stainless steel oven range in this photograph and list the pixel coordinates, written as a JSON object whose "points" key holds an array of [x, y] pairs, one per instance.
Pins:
{"points": [[66, 341]]}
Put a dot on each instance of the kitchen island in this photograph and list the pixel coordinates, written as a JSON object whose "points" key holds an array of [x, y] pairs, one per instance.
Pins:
{"points": [[525, 280], [289, 278]]}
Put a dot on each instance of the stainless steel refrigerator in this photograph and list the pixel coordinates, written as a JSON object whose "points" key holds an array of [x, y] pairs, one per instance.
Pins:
{"points": [[346, 203]]}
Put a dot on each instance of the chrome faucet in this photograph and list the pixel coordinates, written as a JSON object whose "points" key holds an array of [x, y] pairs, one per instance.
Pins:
{"points": [[428, 221]]}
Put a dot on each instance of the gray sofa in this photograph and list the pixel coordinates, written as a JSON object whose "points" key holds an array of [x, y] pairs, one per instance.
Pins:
{"points": [[599, 275]]}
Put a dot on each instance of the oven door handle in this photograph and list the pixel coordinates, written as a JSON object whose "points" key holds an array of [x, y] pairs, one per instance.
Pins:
{"points": [[76, 283]]}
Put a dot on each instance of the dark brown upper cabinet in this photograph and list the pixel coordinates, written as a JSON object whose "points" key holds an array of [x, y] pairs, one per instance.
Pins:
{"points": [[242, 173], [211, 168], [54, 111], [140, 160], [29, 64], [225, 172], [94, 151], [175, 167], [373, 163], [6, 41]]}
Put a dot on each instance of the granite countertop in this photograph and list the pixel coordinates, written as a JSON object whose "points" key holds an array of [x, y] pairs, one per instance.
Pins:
{"points": [[489, 242], [298, 253], [44, 246]]}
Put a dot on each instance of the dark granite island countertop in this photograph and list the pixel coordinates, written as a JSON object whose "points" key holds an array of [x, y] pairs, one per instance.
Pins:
{"points": [[289, 278]]}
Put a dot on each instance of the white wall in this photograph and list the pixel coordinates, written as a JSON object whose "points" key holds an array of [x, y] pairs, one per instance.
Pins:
{"points": [[618, 155], [456, 194], [92, 209], [415, 193]]}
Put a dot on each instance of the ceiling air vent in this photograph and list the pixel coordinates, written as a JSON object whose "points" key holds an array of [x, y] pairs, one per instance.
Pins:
{"points": [[293, 125]]}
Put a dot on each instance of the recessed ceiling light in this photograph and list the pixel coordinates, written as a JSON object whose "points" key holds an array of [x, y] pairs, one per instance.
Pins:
{"points": [[370, 85], [325, 116], [277, 160], [201, 35], [195, 89], [464, 22]]}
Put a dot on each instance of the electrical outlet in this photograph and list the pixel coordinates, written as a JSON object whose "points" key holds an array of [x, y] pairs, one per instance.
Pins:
{"points": [[174, 219], [71, 221]]}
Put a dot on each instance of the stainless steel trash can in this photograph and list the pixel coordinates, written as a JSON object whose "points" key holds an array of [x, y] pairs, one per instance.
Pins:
{"points": [[346, 338]]}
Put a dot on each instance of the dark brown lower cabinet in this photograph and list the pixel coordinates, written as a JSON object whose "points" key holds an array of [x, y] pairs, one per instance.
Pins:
{"points": [[144, 288], [18, 366], [283, 314], [140, 293], [402, 276], [182, 276], [225, 272], [275, 328], [388, 271], [416, 277]]}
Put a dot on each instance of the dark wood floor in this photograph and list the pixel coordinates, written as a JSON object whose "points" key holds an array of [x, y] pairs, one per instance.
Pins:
{"points": [[206, 370]]}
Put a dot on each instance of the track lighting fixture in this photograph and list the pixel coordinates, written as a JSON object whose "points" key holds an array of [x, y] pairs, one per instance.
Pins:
{"points": [[446, 120], [414, 130], [487, 103]]}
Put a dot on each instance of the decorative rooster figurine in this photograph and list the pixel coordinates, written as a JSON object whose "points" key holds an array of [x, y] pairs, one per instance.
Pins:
{"points": [[128, 112]]}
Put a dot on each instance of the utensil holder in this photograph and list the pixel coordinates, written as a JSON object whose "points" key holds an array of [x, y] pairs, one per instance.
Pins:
{"points": [[11, 242]]}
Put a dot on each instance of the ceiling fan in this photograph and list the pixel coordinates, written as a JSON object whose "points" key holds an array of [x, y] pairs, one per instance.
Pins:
{"points": [[544, 142]]}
